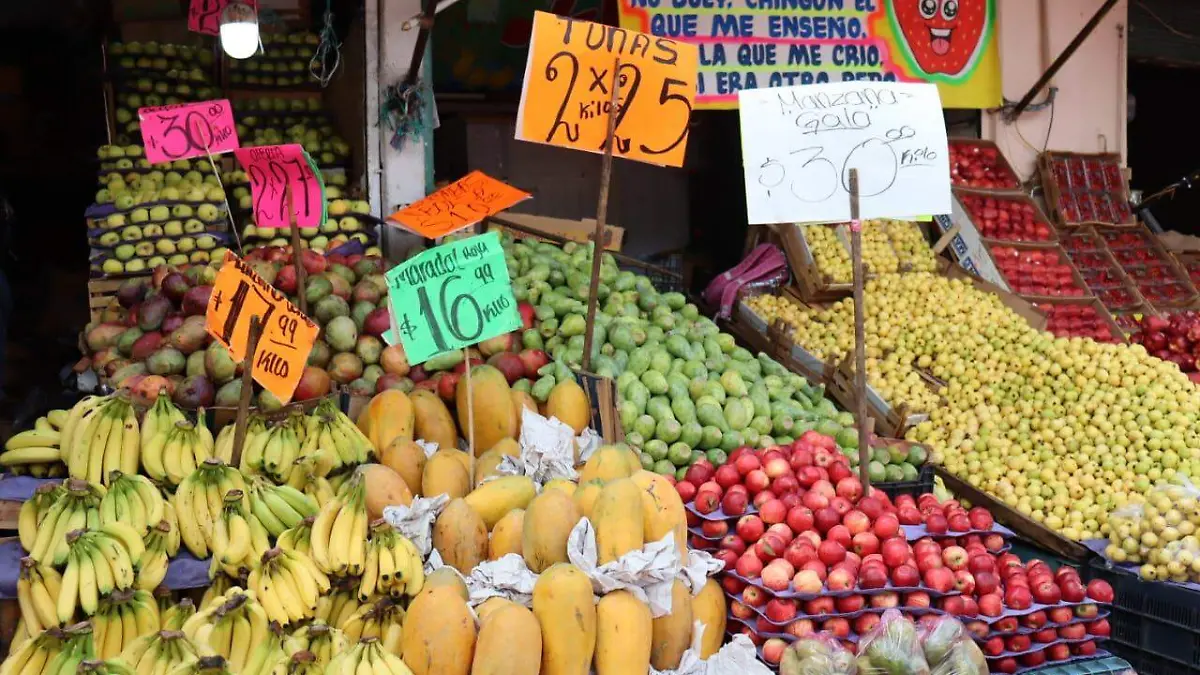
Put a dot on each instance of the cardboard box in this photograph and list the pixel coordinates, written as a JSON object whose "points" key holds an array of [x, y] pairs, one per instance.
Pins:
{"points": [[573, 230]]}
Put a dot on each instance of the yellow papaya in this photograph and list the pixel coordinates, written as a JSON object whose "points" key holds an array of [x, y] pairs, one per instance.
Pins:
{"points": [[383, 487], [562, 484], [444, 577], [672, 633], [608, 462], [507, 535], [522, 401], [617, 516], [623, 635], [708, 607], [499, 496], [585, 497], [563, 605], [510, 643], [460, 536], [432, 420], [389, 415], [569, 403], [442, 642], [444, 474], [548, 521], [406, 458], [489, 407], [662, 509], [490, 605]]}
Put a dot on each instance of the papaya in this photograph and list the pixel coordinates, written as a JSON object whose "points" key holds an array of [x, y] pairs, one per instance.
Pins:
{"points": [[563, 606], [388, 416], [442, 642], [445, 474], [635, 461], [522, 401], [510, 643], [497, 497], [431, 419], [491, 605], [608, 462], [708, 607], [662, 509], [549, 519], [569, 403], [617, 516], [491, 400], [463, 458], [585, 497], [623, 635], [485, 466], [672, 633], [563, 484], [460, 536], [444, 577], [507, 535], [383, 487], [406, 458]]}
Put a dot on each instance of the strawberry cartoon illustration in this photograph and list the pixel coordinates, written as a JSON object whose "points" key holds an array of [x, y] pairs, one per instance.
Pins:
{"points": [[943, 38]]}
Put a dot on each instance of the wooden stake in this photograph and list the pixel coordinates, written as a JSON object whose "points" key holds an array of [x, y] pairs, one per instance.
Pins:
{"points": [[300, 275], [860, 346], [601, 216], [239, 431]]}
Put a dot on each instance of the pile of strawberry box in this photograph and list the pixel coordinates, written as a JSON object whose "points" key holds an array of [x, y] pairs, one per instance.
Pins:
{"points": [[1085, 189], [980, 165], [1080, 320], [1003, 217], [1158, 278], [1037, 271]]}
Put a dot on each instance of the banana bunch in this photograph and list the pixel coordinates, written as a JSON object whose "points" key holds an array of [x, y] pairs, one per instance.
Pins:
{"points": [[105, 439], [185, 448], [20, 635], [238, 538], [33, 511], [219, 586], [76, 506], [319, 639], [205, 665], [329, 428], [37, 594], [123, 617], [199, 501], [172, 615], [384, 620], [297, 538], [339, 534], [279, 507], [133, 500], [79, 646], [309, 473], [160, 652], [57, 650], [255, 424], [38, 450], [267, 656], [100, 561], [289, 585], [152, 565], [368, 656], [273, 451], [113, 666], [160, 419], [337, 606], [232, 628], [393, 564], [304, 663]]}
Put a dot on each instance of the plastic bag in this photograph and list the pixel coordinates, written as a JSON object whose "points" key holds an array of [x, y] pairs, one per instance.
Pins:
{"points": [[1138, 533], [817, 654], [949, 649], [892, 648]]}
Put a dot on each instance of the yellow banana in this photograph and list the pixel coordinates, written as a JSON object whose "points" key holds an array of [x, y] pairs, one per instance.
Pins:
{"points": [[34, 438]]}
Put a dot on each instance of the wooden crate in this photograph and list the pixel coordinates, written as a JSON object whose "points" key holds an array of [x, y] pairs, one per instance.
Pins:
{"points": [[980, 143], [1054, 193], [1062, 255], [102, 294]]}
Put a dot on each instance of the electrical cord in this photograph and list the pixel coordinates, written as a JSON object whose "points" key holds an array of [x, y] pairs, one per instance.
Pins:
{"points": [[320, 67]]}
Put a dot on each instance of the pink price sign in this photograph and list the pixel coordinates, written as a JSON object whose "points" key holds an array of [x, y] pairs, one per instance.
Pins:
{"points": [[271, 170], [187, 130], [204, 16]]}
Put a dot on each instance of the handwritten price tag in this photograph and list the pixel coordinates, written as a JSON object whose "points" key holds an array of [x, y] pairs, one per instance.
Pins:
{"points": [[460, 204], [271, 169], [187, 130], [204, 16], [799, 144], [287, 335], [568, 90], [452, 296]]}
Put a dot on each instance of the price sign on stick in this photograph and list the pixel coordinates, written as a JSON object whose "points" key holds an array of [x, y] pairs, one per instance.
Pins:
{"points": [[799, 144], [187, 130], [460, 204], [287, 335], [271, 169], [452, 296], [204, 16], [567, 93]]}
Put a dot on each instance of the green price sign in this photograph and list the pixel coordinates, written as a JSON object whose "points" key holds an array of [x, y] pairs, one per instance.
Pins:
{"points": [[451, 297]]}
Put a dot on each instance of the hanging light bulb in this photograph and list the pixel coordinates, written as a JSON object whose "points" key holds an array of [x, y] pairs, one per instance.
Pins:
{"points": [[239, 30]]}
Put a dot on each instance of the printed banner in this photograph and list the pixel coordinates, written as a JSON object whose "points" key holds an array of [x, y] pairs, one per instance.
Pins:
{"points": [[752, 44]]}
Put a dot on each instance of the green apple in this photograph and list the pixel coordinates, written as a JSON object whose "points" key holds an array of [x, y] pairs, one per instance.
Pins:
{"points": [[198, 257], [185, 244], [115, 220], [160, 213], [309, 232], [139, 215], [349, 224], [173, 228], [177, 259], [339, 240], [195, 195], [360, 237], [124, 252], [194, 177], [135, 265], [124, 163], [181, 165], [155, 176], [251, 232], [164, 246], [192, 226], [123, 201], [103, 196], [319, 241], [156, 261], [109, 239], [112, 266], [375, 251], [133, 151], [131, 233], [245, 202], [208, 213], [360, 207], [144, 248], [206, 243], [338, 207], [181, 211], [279, 241], [241, 191], [330, 226], [169, 194], [215, 182]]}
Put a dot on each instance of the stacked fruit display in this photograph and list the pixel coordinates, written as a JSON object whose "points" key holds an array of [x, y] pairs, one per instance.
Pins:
{"points": [[283, 63], [1087, 189], [35, 451], [1006, 218], [1174, 338], [1157, 534], [889, 246], [1015, 416], [273, 121], [981, 166], [1078, 321], [345, 224], [1041, 271], [153, 74]]}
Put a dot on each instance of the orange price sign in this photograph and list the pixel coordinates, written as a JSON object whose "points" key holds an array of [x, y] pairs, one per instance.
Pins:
{"points": [[568, 89], [460, 204], [287, 334]]}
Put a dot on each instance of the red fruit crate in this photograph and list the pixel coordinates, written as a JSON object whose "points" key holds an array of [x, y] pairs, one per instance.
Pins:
{"points": [[1089, 320], [1082, 239], [1039, 272], [979, 165], [1086, 189], [1006, 217]]}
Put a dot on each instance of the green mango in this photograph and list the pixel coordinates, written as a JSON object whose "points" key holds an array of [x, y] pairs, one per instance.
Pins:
{"points": [[732, 440], [531, 339], [444, 361], [541, 389], [668, 430], [680, 455], [750, 436], [690, 312], [679, 347], [677, 386], [629, 414], [691, 433], [656, 449], [644, 425], [638, 393], [639, 361], [622, 360], [684, 409], [572, 324], [733, 383], [710, 437], [659, 408], [655, 382], [548, 328], [742, 354], [782, 424], [715, 390], [635, 439], [621, 337], [727, 342], [736, 414], [761, 400], [710, 414], [762, 424], [695, 369], [624, 380], [660, 360], [655, 333], [712, 348]]}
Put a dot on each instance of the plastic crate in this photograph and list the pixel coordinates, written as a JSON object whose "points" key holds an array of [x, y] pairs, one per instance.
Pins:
{"points": [[1101, 666], [920, 486], [1155, 626]]}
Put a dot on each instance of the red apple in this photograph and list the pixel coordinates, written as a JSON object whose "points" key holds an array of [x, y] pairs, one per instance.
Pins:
{"points": [[952, 605], [1006, 665], [831, 552], [849, 603], [819, 606], [993, 542], [981, 518], [776, 467], [955, 557], [754, 596], [1045, 592], [1018, 597], [1099, 628], [749, 566], [990, 604], [906, 576], [726, 475], [818, 568], [850, 489], [1058, 652], [1088, 611], [864, 623], [1034, 620], [840, 579], [1072, 591], [750, 528], [917, 599], [1019, 643], [895, 552], [886, 526], [964, 582], [740, 611], [1085, 648], [874, 576], [1033, 659], [994, 646], [707, 501], [939, 579], [1045, 635], [865, 543], [747, 462], [909, 515], [773, 649], [856, 521], [838, 627], [1100, 591], [801, 628], [1007, 625], [800, 519], [807, 581], [777, 574], [735, 502], [780, 610], [1075, 631], [1061, 614]]}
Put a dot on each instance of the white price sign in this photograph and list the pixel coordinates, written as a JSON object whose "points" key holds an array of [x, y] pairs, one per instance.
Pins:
{"points": [[799, 144]]}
